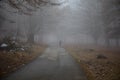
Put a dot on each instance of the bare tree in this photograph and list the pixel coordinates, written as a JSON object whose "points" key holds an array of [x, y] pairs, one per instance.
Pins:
{"points": [[93, 21], [111, 18]]}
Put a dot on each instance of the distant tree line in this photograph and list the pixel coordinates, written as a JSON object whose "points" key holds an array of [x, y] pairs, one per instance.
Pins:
{"points": [[111, 19], [102, 20], [21, 8]]}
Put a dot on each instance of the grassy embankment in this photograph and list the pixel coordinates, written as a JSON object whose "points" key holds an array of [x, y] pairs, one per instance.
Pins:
{"points": [[99, 63], [11, 61]]}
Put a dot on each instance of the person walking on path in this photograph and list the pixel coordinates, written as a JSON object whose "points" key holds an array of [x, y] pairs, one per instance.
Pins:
{"points": [[60, 43]]}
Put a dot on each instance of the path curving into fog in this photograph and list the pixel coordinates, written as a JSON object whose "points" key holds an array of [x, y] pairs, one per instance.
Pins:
{"points": [[54, 64]]}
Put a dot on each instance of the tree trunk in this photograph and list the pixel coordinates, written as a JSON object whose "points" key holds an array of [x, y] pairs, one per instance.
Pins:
{"points": [[17, 29], [107, 41], [31, 38], [96, 40], [31, 32], [117, 42], [17, 34]]}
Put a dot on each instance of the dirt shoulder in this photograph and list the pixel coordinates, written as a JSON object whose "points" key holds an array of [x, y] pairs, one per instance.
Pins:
{"points": [[11, 61], [98, 63]]}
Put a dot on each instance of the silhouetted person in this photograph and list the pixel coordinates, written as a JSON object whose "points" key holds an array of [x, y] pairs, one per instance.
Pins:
{"points": [[60, 43]]}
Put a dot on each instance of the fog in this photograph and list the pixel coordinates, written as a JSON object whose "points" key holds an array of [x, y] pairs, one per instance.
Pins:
{"points": [[59, 39], [68, 21]]}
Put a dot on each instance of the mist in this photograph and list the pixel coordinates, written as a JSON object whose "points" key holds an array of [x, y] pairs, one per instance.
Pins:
{"points": [[60, 33], [72, 21]]}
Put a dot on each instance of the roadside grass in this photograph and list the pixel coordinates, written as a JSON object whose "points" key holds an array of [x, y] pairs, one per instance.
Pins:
{"points": [[12, 61], [95, 67]]}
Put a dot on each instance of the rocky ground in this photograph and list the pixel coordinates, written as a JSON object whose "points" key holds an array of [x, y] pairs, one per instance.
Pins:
{"points": [[99, 63], [12, 60]]}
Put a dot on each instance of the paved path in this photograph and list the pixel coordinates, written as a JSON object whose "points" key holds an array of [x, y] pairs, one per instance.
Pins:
{"points": [[54, 64]]}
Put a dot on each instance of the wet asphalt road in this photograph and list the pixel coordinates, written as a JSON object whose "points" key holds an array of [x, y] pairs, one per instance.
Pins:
{"points": [[54, 64]]}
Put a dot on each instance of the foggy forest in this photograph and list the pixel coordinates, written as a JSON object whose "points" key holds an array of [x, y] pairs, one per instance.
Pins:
{"points": [[59, 39]]}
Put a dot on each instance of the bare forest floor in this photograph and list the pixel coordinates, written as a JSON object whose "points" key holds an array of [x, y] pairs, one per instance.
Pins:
{"points": [[11, 61], [99, 63]]}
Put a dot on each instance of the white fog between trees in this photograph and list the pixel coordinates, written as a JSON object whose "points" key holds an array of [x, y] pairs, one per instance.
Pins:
{"points": [[69, 21]]}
